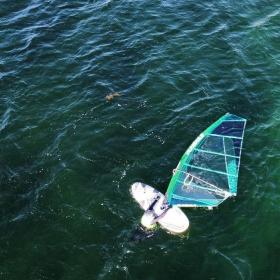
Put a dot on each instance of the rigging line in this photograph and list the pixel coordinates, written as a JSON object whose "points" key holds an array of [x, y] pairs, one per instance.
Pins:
{"points": [[210, 170], [199, 179], [217, 191], [214, 153], [186, 178]]}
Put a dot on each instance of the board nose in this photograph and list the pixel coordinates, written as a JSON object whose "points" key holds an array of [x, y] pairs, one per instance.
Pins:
{"points": [[136, 186]]}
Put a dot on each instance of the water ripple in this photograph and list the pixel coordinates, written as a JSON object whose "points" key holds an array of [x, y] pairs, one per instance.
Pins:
{"points": [[68, 155]]}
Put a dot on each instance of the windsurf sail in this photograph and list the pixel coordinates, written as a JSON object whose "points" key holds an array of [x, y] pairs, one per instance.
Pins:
{"points": [[207, 173]]}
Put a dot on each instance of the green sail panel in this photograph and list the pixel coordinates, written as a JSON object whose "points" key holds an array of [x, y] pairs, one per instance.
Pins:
{"points": [[207, 173]]}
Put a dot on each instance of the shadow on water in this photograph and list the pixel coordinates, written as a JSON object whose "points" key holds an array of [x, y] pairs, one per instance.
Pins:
{"points": [[140, 234]]}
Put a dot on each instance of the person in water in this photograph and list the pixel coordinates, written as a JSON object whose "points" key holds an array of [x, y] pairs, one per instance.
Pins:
{"points": [[150, 217], [149, 220]]}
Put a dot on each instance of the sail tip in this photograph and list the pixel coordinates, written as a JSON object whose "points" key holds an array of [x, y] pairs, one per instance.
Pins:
{"points": [[233, 116]]}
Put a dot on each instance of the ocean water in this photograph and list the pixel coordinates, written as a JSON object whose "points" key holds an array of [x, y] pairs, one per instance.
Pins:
{"points": [[68, 155]]}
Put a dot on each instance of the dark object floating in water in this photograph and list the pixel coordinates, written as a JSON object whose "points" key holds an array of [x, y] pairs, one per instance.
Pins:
{"points": [[112, 95], [141, 234]]}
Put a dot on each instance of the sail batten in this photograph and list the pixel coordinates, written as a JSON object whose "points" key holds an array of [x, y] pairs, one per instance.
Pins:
{"points": [[215, 153], [211, 170], [231, 137], [207, 174]]}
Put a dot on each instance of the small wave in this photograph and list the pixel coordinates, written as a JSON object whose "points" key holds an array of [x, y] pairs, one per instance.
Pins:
{"points": [[265, 19], [217, 29], [188, 106], [5, 119], [234, 265], [19, 15]]}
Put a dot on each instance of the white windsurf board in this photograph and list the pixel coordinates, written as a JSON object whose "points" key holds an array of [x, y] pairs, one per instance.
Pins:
{"points": [[173, 220]]}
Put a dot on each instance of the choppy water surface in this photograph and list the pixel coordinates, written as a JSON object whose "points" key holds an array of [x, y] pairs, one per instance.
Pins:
{"points": [[68, 156]]}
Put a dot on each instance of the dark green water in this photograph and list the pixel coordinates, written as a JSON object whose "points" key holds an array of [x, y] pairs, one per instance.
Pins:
{"points": [[68, 156]]}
